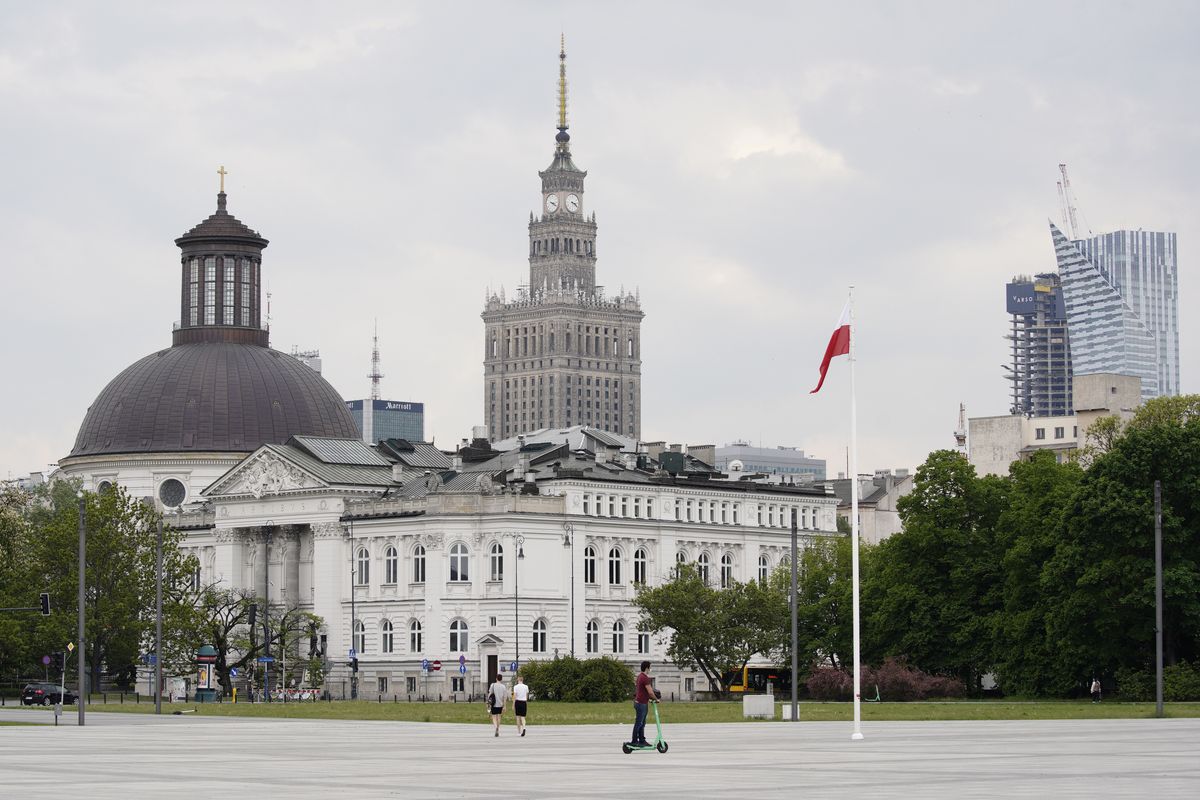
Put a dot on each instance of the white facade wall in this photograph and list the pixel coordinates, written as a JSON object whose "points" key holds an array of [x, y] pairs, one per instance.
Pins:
{"points": [[314, 544]]}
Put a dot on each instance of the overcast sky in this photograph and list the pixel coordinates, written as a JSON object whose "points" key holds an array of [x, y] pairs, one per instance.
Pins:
{"points": [[747, 162]]}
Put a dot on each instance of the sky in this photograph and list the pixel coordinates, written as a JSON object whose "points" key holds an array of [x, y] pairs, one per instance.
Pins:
{"points": [[747, 164]]}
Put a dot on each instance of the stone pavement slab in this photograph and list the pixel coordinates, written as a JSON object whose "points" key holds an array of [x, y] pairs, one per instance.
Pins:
{"points": [[136, 756]]}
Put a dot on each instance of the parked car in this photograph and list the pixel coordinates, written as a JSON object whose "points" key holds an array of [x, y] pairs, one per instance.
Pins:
{"points": [[45, 694]]}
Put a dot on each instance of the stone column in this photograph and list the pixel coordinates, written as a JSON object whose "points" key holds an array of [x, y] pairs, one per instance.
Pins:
{"points": [[329, 571], [229, 558]]}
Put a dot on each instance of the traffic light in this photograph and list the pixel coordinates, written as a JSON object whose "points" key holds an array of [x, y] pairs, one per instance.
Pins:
{"points": [[57, 660], [354, 664], [44, 597]]}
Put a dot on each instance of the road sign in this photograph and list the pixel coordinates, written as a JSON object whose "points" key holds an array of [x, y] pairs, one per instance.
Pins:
{"points": [[233, 672], [45, 661], [352, 653], [425, 664], [437, 665], [266, 659], [70, 647], [150, 659], [462, 669], [512, 667], [462, 660]]}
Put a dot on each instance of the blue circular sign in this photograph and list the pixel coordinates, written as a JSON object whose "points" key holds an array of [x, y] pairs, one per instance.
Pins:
{"points": [[425, 664], [462, 668]]}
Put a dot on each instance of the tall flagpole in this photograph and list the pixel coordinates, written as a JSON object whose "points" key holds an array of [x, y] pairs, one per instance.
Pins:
{"points": [[854, 525]]}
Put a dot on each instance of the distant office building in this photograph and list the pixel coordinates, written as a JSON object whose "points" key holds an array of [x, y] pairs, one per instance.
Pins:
{"points": [[878, 502], [309, 358], [388, 419], [771, 461], [1121, 295], [994, 443], [1040, 371]]}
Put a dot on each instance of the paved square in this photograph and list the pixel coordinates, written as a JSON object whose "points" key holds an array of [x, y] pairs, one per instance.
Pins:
{"points": [[137, 756]]}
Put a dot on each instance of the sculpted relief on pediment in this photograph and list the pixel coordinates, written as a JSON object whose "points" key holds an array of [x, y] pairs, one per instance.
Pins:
{"points": [[268, 474]]}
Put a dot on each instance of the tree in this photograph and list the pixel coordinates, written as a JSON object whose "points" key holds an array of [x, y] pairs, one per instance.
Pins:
{"points": [[823, 614], [19, 586], [120, 573], [1101, 575], [935, 586], [1028, 532]]}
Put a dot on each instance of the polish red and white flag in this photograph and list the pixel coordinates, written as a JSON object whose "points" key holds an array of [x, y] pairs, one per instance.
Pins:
{"points": [[839, 345]]}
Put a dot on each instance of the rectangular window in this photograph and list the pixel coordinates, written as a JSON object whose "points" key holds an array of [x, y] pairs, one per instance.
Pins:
{"points": [[228, 287], [1040, 433], [210, 291], [587, 507], [410, 685], [1059, 433], [643, 642], [457, 684], [689, 685], [382, 685], [637, 507]]}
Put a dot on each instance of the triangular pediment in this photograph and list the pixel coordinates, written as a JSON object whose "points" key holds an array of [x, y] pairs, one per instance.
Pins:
{"points": [[489, 638], [263, 473]]}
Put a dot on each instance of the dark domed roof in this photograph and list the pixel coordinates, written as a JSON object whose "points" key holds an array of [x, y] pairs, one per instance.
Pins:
{"points": [[221, 226], [211, 397]]}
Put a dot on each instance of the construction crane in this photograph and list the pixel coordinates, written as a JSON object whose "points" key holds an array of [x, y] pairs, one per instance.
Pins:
{"points": [[375, 375], [1068, 200], [1062, 207]]}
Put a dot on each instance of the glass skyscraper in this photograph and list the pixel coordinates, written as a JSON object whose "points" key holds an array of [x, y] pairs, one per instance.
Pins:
{"points": [[1121, 295], [388, 419]]}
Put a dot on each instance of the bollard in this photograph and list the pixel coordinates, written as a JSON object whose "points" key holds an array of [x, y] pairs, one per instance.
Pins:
{"points": [[395, 699], [104, 697], [379, 697], [137, 698], [122, 697]]}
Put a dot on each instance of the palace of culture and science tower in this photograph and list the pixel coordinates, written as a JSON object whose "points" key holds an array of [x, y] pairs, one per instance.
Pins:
{"points": [[562, 352]]}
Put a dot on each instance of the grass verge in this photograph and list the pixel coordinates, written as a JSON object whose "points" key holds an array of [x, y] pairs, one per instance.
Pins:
{"points": [[621, 713]]}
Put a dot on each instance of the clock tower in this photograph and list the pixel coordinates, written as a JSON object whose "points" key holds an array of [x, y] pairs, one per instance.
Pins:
{"points": [[563, 352]]}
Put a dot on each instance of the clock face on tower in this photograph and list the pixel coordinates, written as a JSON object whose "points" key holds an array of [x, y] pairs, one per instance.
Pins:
{"points": [[552, 203], [572, 203]]}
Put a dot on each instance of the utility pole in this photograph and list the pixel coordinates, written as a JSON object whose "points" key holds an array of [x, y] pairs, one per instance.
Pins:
{"points": [[158, 617], [81, 701], [795, 623], [1158, 602], [569, 541], [518, 540]]}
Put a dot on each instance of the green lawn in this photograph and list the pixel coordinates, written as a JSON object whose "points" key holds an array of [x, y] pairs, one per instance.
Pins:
{"points": [[620, 713]]}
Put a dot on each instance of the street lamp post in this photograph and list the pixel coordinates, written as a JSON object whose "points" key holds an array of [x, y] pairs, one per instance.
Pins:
{"points": [[81, 660], [354, 659], [569, 541], [518, 540], [158, 617]]}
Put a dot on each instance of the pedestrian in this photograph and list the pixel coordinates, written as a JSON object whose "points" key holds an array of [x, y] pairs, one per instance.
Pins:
{"points": [[643, 695], [1095, 689], [520, 693], [497, 698]]}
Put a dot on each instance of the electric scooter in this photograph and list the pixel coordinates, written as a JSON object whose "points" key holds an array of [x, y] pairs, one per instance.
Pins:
{"points": [[660, 744]]}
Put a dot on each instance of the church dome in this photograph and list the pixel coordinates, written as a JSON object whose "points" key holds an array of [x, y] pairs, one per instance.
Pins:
{"points": [[211, 397]]}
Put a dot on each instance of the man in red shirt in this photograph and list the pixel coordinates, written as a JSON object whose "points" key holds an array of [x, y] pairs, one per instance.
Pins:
{"points": [[642, 697]]}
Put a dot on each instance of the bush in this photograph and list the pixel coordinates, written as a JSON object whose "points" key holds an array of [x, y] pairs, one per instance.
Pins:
{"points": [[1180, 682], [897, 681], [597, 680]]}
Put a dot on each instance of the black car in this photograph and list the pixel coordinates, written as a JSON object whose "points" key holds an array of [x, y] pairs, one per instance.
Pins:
{"points": [[45, 694]]}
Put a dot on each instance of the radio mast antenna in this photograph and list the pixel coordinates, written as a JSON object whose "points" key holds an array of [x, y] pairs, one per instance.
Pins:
{"points": [[375, 375]]}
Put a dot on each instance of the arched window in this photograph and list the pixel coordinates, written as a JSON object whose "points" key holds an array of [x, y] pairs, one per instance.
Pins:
{"points": [[459, 563], [458, 636], [589, 564], [362, 572], [639, 565], [592, 640], [726, 571], [360, 638], [419, 564], [681, 557], [496, 561], [618, 637], [630, 348], [391, 565], [764, 568], [386, 639], [614, 567], [702, 564], [643, 641], [416, 641], [539, 636]]}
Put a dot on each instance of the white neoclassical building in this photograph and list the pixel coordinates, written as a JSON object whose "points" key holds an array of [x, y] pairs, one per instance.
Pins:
{"points": [[482, 558]]}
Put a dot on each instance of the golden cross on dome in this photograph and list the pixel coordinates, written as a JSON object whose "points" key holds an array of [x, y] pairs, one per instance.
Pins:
{"points": [[222, 172]]}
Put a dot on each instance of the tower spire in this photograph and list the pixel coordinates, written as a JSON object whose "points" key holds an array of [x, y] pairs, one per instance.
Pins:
{"points": [[563, 137]]}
